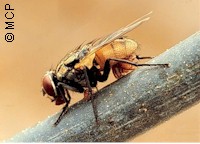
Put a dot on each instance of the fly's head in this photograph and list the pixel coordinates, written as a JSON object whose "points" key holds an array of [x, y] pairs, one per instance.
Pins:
{"points": [[49, 87]]}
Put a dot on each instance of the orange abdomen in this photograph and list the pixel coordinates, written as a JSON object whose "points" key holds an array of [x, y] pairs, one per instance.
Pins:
{"points": [[120, 48]]}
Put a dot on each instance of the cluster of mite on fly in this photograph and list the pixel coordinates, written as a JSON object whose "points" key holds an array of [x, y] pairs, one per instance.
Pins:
{"points": [[82, 69]]}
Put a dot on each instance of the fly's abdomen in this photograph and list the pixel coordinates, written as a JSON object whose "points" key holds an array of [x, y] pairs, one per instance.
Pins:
{"points": [[120, 48]]}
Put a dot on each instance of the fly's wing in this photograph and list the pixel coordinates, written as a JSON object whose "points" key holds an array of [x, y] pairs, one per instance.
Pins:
{"points": [[117, 34], [96, 45]]}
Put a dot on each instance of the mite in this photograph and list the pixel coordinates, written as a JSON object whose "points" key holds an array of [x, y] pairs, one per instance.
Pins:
{"points": [[83, 68]]}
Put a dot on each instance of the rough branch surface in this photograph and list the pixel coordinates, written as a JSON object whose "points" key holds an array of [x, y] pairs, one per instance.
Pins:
{"points": [[131, 105]]}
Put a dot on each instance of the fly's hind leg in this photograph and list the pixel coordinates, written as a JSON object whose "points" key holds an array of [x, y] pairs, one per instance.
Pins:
{"points": [[124, 66], [135, 64], [121, 68], [139, 57]]}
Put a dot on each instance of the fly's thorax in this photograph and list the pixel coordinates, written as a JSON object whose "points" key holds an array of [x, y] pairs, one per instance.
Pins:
{"points": [[65, 67], [70, 73], [120, 48], [86, 62], [65, 72], [83, 52], [61, 71]]}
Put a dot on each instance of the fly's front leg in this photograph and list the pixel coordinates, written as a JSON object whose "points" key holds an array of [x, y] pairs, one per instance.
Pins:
{"points": [[63, 112], [90, 94]]}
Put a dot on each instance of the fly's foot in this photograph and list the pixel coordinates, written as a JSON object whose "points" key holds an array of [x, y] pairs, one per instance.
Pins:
{"points": [[165, 65], [63, 112], [159, 65], [56, 123], [58, 120]]}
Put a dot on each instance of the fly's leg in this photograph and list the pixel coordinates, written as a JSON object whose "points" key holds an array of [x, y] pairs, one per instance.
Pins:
{"points": [[139, 57], [103, 77], [90, 94], [121, 69], [135, 64], [63, 112]]}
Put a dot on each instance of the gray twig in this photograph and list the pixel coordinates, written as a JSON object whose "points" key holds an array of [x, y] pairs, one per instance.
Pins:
{"points": [[131, 105]]}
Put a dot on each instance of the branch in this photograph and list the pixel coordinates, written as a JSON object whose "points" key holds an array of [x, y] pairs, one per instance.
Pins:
{"points": [[131, 105]]}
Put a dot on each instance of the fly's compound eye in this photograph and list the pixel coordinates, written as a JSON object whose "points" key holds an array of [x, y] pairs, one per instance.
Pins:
{"points": [[49, 85]]}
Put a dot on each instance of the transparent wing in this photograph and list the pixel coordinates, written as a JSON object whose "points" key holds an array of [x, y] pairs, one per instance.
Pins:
{"points": [[117, 34]]}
